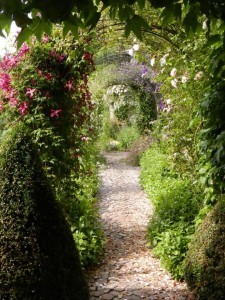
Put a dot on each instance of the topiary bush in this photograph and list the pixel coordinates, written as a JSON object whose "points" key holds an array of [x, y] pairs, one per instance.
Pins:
{"points": [[38, 257], [205, 261]]}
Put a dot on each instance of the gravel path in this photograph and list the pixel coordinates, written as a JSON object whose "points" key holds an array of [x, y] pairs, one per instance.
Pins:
{"points": [[128, 270]]}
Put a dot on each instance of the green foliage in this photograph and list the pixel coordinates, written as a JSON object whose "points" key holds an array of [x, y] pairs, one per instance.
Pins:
{"points": [[47, 89], [176, 204], [126, 136], [137, 149], [205, 263], [39, 259], [172, 246]]}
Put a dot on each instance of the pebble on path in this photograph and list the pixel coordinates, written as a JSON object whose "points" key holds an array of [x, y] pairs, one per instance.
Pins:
{"points": [[128, 270]]}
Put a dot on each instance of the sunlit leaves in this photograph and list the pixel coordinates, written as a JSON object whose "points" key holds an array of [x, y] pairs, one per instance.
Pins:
{"points": [[136, 24]]}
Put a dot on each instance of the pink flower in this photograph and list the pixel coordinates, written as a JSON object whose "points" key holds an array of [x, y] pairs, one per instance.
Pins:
{"points": [[84, 138], [69, 85], [30, 92], [40, 73], [5, 82], [55, 113], [87, 56], [33, 82], [0, 105], [8, 62], [13, 102], [23, 108], [24, 49], [48, 76], [45, 39], [61, 57]]}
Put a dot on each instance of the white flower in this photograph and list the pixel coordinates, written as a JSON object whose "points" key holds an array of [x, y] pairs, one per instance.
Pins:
{"points": [[204, 25], [152, 61], [168, 101], [136, 47], [198, 75], [173, 72], [184, 79], [174, 83], [162, 61], [130, 52]]}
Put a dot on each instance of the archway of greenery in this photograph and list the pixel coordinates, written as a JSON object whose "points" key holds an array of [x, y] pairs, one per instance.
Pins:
{"points": [[186, 55]]}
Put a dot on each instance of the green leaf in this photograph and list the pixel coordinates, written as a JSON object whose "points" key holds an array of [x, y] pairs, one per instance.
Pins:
{"points": [[39, 27], [191, 23], [70, 27], [93, 20], [24, 36], [127, 29], [5, 21], [141, 3], [136, 24], [215, 40]]}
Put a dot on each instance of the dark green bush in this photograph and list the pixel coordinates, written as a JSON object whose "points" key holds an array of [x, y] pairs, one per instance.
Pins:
{"points": [[38, 257], [205, 261]]}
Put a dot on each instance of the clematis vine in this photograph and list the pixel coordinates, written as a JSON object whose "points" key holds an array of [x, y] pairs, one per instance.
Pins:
{"points": [[30, 92], [55, 113], [69, 85], [23, 108]]}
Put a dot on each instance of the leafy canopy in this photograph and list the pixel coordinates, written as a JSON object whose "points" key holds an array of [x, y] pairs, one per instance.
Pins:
{"points": [[37, 16]]}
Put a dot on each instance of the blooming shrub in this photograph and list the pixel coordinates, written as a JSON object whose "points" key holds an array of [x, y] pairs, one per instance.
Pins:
{"points": [[45, 85]]}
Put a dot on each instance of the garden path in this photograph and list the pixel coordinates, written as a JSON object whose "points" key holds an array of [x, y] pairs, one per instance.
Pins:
{"points": [[128, 269]]}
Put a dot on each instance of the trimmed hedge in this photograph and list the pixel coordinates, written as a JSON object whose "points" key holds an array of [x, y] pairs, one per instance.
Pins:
{"points": [[205, 261], [38, 257]]}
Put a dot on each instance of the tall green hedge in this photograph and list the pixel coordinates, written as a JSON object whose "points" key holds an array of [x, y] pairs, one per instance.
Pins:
{"points": [[205, 261], [38, 257]]}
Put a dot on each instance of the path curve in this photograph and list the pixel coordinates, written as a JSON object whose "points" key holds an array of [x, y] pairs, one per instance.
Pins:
{"points": [[128, 270]]}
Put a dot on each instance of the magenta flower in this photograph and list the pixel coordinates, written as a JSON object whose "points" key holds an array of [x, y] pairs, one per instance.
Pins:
{"points": [[24, 49], [1, 105], [55, 113], [45, 39], [69, 85], [13, 102], [8, 62], [23, 108], [84, 138], [5, 82], [30, 92], [48, 76]]}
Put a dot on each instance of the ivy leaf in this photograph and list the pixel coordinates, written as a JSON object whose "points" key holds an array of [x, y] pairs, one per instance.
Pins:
{"points": [[5, 21], [93, 20], [38, 27], [125, 13], [137, 23], [24, 36], [171, 13], [191, 23]]}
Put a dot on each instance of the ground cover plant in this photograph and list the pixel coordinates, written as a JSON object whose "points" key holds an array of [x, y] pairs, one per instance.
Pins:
{"points": [[176, 204], [39, 259]]}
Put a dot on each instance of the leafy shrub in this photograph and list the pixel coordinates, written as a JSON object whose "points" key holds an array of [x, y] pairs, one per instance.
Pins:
{"points": [[126, 136], [45, 85], [137, 149], [205, 261], [176, 203], [38, 256], [172, 245]]}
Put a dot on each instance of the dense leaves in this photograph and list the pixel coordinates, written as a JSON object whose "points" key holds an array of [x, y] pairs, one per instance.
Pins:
{"points": [[38, 255]]}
